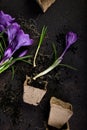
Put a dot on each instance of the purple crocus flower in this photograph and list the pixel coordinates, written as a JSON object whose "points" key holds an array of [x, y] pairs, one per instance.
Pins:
{"points": [[16, 37], [21, 39], [71, 38], [5, 19]]}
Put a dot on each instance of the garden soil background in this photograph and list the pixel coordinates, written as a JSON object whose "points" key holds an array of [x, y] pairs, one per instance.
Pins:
{"points": [[64, 83]]}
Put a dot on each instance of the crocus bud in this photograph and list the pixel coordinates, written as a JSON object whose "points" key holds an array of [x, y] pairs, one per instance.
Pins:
{"points": [[70, 39]]}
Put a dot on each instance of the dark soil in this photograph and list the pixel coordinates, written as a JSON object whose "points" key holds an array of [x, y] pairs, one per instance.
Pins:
{"points": [[63, 83]]}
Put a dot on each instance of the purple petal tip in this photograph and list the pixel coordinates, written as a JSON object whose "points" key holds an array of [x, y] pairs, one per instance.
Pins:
{"points": [[71, 38]]}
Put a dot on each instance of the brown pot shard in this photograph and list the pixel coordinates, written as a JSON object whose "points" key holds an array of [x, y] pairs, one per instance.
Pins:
{"points": [[45, 4], [60, 113], [31, 94]]}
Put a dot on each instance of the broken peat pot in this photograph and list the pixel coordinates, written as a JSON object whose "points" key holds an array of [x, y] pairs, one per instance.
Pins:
{"points": [[45, 4], [65, 127], [60, 113], [31, 94]]}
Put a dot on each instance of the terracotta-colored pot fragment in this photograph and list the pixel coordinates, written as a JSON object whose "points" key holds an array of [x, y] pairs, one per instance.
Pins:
{"points": [[31, 94], [60, 113], [45, 4]]}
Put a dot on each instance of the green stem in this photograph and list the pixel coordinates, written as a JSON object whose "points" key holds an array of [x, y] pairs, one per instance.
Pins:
{"points": [[43, 33], [5, 65], [55, 51], [13, 72], [55, 64], [22, 58], [1, 49], [68, 66], [2, 69], [11, 61], [4, 42]]}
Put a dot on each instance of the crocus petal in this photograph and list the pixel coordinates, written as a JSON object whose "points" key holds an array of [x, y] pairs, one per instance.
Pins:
{"points": [[23, 39], [70, 38], [2, 28], [12, 32], [5, 19], [23, 53], [8, 53]]}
